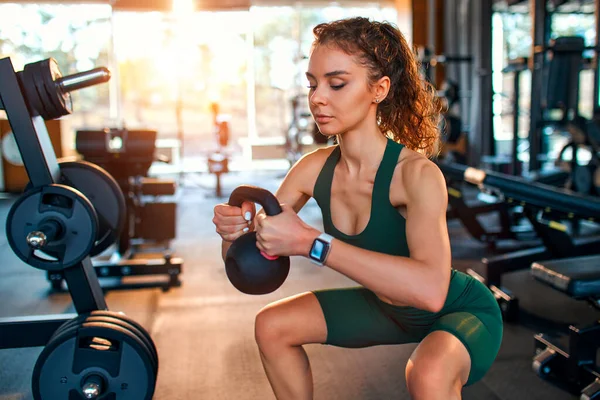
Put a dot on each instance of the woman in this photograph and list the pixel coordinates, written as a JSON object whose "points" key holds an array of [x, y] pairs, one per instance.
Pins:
{"points": [[384, 205]]}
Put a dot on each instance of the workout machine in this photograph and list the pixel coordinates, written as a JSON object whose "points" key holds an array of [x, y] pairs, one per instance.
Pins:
{"points": [[429, 61], [65, 215], [537, 60], [454, 136], [562, 94], [548, 209], [574, 364], [510, 216], [143, 247], [455, 132], [560, 97]]}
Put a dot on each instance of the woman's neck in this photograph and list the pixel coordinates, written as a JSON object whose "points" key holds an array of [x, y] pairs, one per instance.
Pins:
{"points": [[362, 148]]}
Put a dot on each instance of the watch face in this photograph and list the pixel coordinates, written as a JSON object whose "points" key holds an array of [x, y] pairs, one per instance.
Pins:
{"points": [[317, 251]]}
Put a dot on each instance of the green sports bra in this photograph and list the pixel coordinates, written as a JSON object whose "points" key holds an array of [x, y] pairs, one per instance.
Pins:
{"points": [[386, 230]]}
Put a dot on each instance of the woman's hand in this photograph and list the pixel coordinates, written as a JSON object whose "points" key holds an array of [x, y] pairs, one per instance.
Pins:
{"points": [[284, 234], [232, 222]]}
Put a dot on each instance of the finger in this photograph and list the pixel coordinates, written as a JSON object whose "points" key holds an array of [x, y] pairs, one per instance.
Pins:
{"points": [[248, 210], [260, 219], [230, 237], [264, 251], [226, 210], [261, 247], [243, 227], [259, 237], [229, 221], [229, 232]]}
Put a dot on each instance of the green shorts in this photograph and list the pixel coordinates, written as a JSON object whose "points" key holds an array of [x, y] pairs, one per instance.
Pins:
{"points": [[356, 317]]}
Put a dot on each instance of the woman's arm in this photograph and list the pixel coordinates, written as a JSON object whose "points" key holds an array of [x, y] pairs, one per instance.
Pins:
{"points": [[422, 280], [297, 186]]}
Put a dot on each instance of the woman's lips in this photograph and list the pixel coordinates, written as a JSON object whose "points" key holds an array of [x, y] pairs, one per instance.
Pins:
{"points": [[323, 119]]}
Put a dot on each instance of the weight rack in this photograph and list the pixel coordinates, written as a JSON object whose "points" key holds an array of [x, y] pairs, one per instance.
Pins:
{"points": [[95, 353], [42, 168]]}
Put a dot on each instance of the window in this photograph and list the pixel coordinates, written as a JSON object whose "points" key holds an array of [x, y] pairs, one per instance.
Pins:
{"points": [[77, 36], [170, 67]]}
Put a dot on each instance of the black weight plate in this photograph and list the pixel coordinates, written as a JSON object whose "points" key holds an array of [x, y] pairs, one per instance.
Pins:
{"points": [[56, 364], [132, 322], [29, 93], [67, 325], [44, 82], [60, 100], [78, 219], [34, 98], [67, 331], [136, 361], [104, 193], [38, 70], [133, 325], [116, 318], [132, 330]]}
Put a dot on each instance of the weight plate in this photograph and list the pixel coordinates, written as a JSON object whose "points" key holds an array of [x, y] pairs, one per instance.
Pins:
{"points": [[104, 193], [37, 71], [36, 103], [29, 93], [135, 324], [67, 325], [61, 100], [94, 349], [63, 205], [136, 334], [131, 324]]}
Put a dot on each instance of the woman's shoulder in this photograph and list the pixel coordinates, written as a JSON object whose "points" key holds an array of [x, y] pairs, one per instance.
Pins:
{"points": [[314, 159], [414, 170], [306, 170], [410, 160]]}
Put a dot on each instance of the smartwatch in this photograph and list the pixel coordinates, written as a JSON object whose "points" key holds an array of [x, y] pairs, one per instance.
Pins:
{"points": [[320, 249]]}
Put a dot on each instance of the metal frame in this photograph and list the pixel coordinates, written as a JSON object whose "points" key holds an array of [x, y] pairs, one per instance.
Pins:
{"points": [[42, 168], [481, 134], [539, 15]]}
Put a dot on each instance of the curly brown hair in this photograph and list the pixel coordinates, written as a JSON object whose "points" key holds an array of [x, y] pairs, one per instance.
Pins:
{"points": [[410, 113]]}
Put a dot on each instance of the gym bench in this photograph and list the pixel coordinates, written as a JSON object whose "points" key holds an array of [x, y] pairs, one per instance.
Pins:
{"points": [[573, 365]]}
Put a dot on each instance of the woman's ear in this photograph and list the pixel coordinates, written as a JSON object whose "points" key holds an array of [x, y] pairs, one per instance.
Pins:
{"points": [[381, 89]]}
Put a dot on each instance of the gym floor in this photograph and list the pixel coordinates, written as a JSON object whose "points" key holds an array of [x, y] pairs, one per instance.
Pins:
{"points": [[204, 329]]}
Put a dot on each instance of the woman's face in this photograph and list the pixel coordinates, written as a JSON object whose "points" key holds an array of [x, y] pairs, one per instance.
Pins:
{"points": [[339, 96]]}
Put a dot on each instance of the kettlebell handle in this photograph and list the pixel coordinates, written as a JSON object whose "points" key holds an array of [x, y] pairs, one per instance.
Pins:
{"points": [[256, 195]]}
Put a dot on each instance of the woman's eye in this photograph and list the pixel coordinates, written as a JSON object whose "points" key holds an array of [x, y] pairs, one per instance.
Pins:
{"points": [[311, 87], [337, 87]]}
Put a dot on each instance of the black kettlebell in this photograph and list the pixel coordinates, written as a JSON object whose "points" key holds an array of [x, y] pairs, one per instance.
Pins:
{"points": [[248, 269]]}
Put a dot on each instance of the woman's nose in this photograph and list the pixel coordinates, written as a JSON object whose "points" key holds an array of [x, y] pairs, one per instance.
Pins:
{"points": [[316, 97]]}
